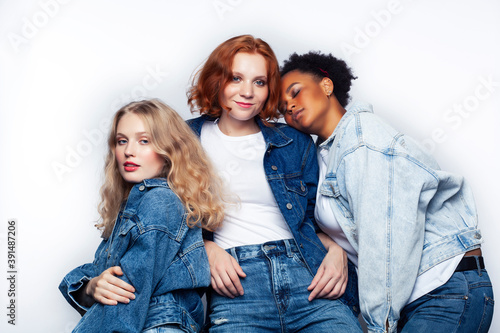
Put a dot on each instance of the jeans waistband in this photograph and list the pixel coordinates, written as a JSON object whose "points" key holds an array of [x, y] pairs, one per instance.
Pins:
{"points": [[283, 246]]}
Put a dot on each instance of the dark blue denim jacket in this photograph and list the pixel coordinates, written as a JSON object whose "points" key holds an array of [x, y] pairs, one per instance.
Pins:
{"points": [[160, 256], [291, 168]]}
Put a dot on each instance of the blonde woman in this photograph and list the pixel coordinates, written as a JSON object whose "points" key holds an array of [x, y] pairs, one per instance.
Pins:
{"points": [[159, 191]]}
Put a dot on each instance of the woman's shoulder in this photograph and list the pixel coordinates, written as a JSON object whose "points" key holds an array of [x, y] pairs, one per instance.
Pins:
{"points": [[159, 202], [159, 193], [361, 115], [290, 131], [362, 127], [197, 122]]}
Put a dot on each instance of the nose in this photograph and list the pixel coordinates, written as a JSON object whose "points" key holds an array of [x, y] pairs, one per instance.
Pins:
{"points": [[246, 89], [129, 149]]}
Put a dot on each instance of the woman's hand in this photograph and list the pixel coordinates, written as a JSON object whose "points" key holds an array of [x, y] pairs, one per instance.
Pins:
{"points": [[331, 279], [108, 289], [224, 270]]}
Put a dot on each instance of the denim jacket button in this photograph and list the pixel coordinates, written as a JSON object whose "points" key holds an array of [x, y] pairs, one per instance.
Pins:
{"points": [[477, 235], [274, 167], [141, 188], [289, 206]]}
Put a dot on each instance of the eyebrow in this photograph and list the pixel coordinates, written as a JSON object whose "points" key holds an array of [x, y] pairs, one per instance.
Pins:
{"points": [[260, 77], [290, 87], [137, 133]]}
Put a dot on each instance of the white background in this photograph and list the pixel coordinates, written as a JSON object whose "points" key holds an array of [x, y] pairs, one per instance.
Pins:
{"points": [[67, 66]]}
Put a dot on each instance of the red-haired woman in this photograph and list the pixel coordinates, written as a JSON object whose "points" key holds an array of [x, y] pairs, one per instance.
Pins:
{"points": [[267, 261]]}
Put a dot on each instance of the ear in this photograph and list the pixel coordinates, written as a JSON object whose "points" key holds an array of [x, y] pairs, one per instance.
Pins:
{"points": [[327, 85]]}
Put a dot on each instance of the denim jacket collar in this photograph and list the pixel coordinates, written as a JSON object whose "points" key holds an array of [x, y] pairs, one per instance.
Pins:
{"points": [[137, 192], [197, 123], [154, 182], [272, 135], [356, 107]]}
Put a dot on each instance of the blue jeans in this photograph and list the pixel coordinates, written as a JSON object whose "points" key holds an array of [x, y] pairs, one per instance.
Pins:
{"points": [[275, 298], [166, 329], [463, 304]]}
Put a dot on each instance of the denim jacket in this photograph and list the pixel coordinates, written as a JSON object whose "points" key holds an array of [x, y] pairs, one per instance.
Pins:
{"points": [[401, 213], [160, 256], [291, 169]]}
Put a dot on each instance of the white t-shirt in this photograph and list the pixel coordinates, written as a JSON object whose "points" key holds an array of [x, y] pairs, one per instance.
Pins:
{"points": [[324, 215], [256, 218]]}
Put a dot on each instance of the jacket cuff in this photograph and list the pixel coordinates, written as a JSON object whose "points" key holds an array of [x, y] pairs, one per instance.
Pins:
{"points": [[69, 289]]}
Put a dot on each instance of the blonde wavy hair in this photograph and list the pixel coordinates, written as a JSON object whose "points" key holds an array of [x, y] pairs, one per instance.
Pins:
{"points": [[187, 169]]}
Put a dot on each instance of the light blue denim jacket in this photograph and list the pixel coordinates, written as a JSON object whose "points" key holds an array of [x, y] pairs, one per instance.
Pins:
{"points": [[160, 256], [400, 212], [292, 171]]}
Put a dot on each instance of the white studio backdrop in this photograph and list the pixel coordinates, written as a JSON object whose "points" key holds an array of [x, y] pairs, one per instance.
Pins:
{"points": [[430, 68]]}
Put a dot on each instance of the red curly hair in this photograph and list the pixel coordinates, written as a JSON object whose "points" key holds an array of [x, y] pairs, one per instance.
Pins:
{"points": [[205, 94]]}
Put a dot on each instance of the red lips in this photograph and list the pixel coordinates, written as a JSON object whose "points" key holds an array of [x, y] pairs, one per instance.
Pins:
{"points": [[130, 166], [244, 105]]}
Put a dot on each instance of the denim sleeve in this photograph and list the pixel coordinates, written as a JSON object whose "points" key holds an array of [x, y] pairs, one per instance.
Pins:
{"points": [[311, 174], [75, 280], [143, 265], [388, 196], [152, 247]]}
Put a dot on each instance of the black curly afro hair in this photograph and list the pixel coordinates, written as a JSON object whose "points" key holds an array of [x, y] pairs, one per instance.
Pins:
{"points": [[320, 65]]}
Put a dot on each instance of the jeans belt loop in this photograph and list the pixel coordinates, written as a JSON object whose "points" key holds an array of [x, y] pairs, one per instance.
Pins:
{"points": [[233, 253], [478, 266], [288, 247]]}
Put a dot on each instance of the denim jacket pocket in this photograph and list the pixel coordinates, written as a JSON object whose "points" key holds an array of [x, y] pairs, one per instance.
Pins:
{"points": [[329, 187], [126, 226], [296, 185]]}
